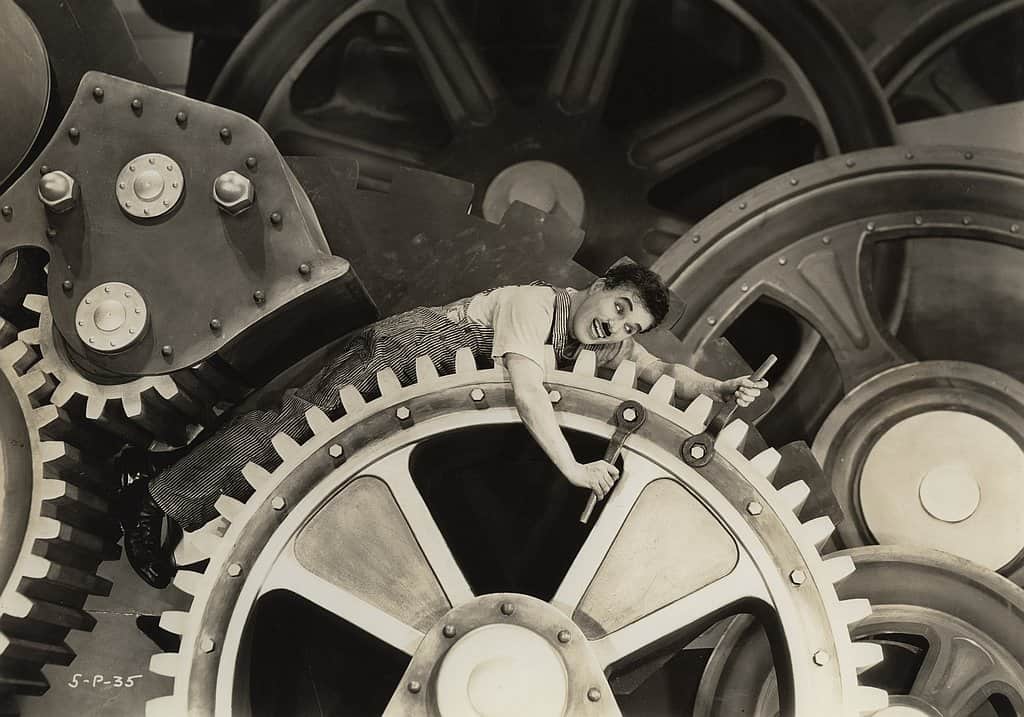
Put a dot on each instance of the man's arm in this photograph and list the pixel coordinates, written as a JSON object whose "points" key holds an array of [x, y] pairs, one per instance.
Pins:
{"points": [[539, 418], [691, 383]]}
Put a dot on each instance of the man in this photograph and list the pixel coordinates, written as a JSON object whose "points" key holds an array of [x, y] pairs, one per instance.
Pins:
{"points": [[510, 325]]}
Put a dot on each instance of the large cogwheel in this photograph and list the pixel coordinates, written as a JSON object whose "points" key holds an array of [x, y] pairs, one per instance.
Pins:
{"points": [[55, 528], [152, 407], [370, 527]]}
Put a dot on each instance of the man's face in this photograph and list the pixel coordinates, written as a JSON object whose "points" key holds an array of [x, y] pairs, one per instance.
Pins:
{"points": [[608, 316]]}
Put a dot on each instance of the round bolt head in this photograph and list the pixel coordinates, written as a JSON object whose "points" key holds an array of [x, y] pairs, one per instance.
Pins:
{"points": [[50, 232], [448, 631], [234, 570], [305, 269], [507, 608], [251, 162], [233, 192], [225, 134], [137, 105], [74, 133], [276, 218], [754, 508], [67, 285], [564, 636], [594, 694], [215, 324], [477, 394], [277, 503], [97, 93], [820, 658], [336, 451], [414, 687], [403, 413], [259, 296], [797, 577], [167, 350], [181, 118], [6, 211], [57, 191], [207, 645]]}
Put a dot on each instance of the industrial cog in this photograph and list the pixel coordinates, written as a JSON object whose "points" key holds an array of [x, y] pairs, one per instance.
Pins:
{"points": [[56, 523], [345, 523]]}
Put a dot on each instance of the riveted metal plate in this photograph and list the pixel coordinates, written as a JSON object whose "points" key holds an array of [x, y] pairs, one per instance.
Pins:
{"points": [[149, 186], [111, 317]]}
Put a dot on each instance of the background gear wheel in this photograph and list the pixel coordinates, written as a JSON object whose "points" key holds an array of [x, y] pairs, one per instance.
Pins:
{"points": [[574, 108], [295, 540], [56, 523], [948, 629]]}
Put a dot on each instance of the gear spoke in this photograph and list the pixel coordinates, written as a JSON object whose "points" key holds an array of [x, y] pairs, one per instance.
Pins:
{"points": [[686, 616], [289, 574], [456, 71], [585, 67], [955, 672]]}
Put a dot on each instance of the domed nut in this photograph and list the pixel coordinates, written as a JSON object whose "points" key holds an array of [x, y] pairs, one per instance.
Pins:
{"points": [[58, 191], [233, 192]]}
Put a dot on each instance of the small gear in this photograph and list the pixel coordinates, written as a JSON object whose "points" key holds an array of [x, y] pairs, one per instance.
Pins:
{"points": [[342, 523], [56, 522], [168, 408]]}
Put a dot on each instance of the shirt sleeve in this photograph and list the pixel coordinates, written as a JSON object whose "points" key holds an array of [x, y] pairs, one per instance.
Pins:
{"points": [[522, 322]]}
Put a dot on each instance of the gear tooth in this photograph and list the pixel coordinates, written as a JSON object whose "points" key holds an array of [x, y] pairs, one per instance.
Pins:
{"points": [[819, 530], [388, 382], [94, 407], [229, 507], [188, 581], [31, 336], [164, 663], [550, 360], [174, 621], [285, 446], [625, 374], [52, 450], [855, 609], [839, 567], [164, 707], [664, 389], [699, 410], [62, 394], [36, 303], [766, 463], [166, 387], [351, 399], [33, 566], [15, 355], [585, 364], [733, 435], [795, 494], [425, 369], [46, 529], [870, 699], [255, 474], [318, 421], [465, 362], [195, 546], [866, 655], [50, 489]]}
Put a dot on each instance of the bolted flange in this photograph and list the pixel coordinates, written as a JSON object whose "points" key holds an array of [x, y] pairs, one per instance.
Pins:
{"points": [[233, 192], [149, 186], [111, 317], [58, 191]]}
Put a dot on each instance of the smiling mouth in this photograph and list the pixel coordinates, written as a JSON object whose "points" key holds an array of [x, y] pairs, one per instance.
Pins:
{"points": [[600, 330]]}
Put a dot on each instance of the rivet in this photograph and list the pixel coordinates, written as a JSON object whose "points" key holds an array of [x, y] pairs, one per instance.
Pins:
{"points": [[794, 181], [81, 323], [711, 321], [507, 608], [871, 226], [174, 185], [131, 167], [850, 163], [215, 324], [277, 503], [966, 221], [6, 211], [92, 339], [106, 289], [167, 350], [745, 287], [43, 169], [67, 284], [743, 205], [782, 261], [181, 118], [89, 301], [138, 310], [251, 162], [477, 394], [259, 296], [414, 687], [594, 694], [629, 415], [136, 105], [754, 508], [122, 185], [97, 94], [131, 331], [170, 167], [820, 658], [207, 645], [275, 218], [555, 396], [968, 155], [225, 134], [448, 631], [1015, 228], [152, 160], [919, 220], [51, 232], [234, 570], [146, 212], [304, 269], [335, 451], [74, 133], [909, 155], [167, 202], [696, 239], [826, 240], [403, 413], [797, 577], [564, 636], [113, 343]]}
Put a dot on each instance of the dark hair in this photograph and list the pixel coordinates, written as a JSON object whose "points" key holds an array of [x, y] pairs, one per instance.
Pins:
{"points": [[648, 285]]}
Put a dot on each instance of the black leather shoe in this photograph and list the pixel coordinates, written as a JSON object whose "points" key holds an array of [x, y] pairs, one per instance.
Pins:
{"points": [[142, 521]]}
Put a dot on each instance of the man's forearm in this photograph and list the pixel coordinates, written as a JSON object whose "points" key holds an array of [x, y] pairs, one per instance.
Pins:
{"points": [[539, 418], [689, 383]]}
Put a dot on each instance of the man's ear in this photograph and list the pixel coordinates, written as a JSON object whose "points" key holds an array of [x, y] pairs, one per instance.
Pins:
{"points": [[596, 286]]}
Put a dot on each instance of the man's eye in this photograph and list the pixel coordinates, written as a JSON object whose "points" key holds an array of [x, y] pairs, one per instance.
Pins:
{"points": [[618, 307], [630, 330]]}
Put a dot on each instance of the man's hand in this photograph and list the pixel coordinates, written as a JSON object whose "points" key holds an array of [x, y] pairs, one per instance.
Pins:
{"points": [[598, 476], [743, 389]]}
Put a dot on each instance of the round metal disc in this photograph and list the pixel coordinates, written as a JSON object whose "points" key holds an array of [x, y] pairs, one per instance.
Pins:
{"points": [[543, 185], [24, 86], [111, 317], [149, 186]]}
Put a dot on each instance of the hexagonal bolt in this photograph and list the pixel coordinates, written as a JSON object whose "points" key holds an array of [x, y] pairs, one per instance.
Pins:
{"points": [[403, 413], [820, 658], [754, 508], [629, 415], [278, 503], [797, 577], [233, 192], [235, 569], [336, 451], [207, 645], [477, 394], [697, 451], [58, 191]]}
